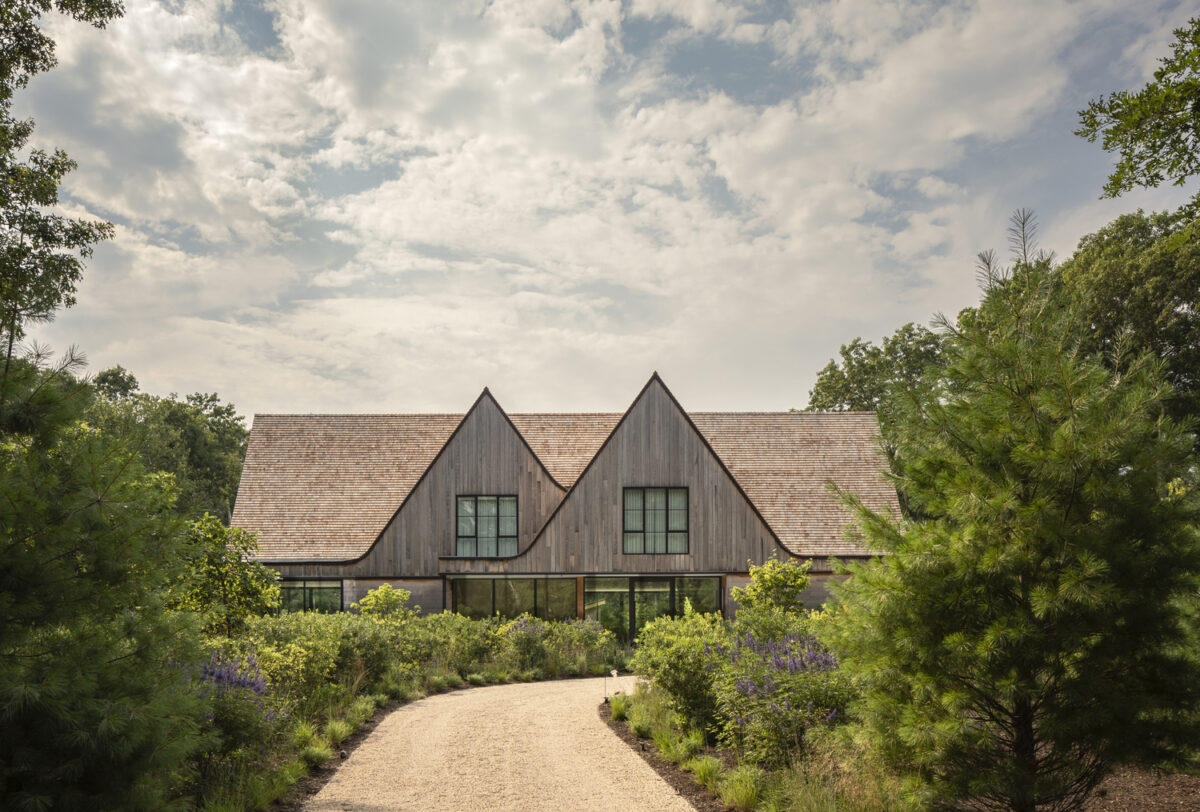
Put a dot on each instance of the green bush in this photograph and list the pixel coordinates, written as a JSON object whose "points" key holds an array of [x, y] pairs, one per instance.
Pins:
{"points": [[459, 643], [476, 679], [245, 727], [677, 654], [620, 707]]}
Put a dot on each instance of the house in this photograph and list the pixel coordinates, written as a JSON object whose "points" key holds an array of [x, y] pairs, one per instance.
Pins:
{"points": [[619, 517]]}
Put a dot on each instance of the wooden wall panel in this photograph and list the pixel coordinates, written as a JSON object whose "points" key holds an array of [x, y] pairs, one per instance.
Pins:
{"points": [[654, 446]]}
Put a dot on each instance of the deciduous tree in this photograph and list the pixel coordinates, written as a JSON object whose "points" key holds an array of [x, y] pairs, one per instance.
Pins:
{"points": [[1155, 131]]}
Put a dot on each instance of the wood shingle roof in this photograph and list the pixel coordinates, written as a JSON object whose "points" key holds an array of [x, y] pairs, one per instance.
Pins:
{"points": [[323, 487]]}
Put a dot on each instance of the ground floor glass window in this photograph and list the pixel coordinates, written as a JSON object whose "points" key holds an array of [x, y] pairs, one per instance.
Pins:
{"points": [[311, 596], [546, 598], [625, 605]]}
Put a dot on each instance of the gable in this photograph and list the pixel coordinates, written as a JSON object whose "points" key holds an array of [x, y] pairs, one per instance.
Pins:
{"points": [[653, 445], [486, 455]]}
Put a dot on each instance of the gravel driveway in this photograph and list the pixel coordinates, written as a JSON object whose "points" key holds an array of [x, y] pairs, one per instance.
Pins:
{"points": [[526, 746]]}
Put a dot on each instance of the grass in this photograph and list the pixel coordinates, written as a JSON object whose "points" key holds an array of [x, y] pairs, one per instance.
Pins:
{"points": [[620, 707], [707, 771], [477, 679], [316, 754], [337, 730], [742, 787]]}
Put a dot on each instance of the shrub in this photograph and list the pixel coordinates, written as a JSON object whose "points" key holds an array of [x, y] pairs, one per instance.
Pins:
{"points": [[244, 725], [459, 643], [770, 607], [386, 603], [770, 693], [476, 679], [524, 639], [677, 653]]}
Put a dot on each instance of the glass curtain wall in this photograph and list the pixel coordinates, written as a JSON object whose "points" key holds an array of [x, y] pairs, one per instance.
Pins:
{"points": [[625, 605], [546, 598]]}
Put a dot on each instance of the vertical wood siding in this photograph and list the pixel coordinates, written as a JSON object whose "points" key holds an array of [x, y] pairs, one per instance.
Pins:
{"points": [[655, 446]]}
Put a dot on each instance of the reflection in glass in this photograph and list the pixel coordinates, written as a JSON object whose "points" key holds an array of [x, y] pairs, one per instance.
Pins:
{"points": [[557, 599], [606, 600], [473, 597], [704, 593], [651, 599], [514, 596]]}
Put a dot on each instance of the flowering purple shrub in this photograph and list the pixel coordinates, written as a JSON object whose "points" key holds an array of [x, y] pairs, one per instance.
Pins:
{"points": [[239, 711], [769, 693]]}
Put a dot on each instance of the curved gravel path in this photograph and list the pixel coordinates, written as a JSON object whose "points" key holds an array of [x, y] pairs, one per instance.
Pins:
{"points": [[528, 746]]}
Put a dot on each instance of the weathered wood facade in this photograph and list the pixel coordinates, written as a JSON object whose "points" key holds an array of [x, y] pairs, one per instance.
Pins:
{"points": [[570, 508], [655, 444]]}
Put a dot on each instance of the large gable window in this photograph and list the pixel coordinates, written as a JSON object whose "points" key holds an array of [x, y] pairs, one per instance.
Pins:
{"points": [[656, 521], [487, 526]]}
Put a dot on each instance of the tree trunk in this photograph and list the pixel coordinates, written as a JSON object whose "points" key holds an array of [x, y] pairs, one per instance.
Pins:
{"points": [[1025, 752]]}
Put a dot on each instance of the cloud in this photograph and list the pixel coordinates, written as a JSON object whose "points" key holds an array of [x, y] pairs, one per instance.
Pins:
{"points": [[361, 205]]}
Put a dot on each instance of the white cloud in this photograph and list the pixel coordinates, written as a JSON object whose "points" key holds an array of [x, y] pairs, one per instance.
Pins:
{"points": [[402, 202]]}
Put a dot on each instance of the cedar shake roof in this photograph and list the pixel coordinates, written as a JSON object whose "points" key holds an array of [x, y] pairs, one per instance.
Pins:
{"points": [[323, 487]]}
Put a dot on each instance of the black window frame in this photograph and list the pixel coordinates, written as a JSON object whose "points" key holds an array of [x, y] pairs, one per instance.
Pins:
{"points": [[308, 585], [515, 537], [643, 530]]}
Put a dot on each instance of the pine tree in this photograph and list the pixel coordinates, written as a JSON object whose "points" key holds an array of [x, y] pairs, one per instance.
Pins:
{"points": [[1023, 636], [96, 711]]}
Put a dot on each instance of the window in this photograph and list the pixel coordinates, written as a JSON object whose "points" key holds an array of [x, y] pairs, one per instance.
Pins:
{"points": [[311, 596], [547, 598], [487, 526], [656, 521]]}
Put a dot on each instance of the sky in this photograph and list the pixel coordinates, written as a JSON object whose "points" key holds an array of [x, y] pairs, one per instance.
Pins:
{"points": [[372, 206]]}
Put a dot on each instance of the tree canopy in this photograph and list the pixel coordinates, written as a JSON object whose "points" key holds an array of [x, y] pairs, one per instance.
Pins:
{"points": [[1155, 131], [41, 252], [199, 439], [867, 373], [1139, 281]]}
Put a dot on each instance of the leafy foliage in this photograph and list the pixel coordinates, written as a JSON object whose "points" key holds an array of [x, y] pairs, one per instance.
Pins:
{"points": [[1156, 131], [41, 253], [224, 584], [1138, 279], [1021, 637], [863, 381], [384, 602], [771, 606], [771, 692], [676, 653], [199, 440]]}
